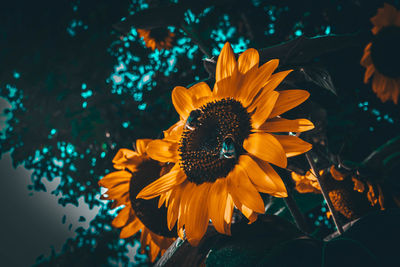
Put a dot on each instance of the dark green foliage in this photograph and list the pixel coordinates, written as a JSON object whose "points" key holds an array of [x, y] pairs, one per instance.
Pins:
{"points": [[359, 246]]}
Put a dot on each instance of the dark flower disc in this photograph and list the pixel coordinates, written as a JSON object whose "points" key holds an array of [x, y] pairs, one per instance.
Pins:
{"points": [[385, 51], [147, 211], [212, 140]]}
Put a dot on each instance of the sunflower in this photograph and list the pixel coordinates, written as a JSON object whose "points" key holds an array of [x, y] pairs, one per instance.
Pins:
{"points": [[157, 38], [307, 183], [382, 56], [349, 194], [136, 171], [223, 145]]}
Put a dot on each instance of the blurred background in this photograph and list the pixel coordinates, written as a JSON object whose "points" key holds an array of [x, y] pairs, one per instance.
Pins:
{"points": [[77, 83]]}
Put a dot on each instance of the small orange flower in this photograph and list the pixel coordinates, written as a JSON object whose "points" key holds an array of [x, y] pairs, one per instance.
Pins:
{"points": [[136, 170], [382, 56], [307, 183], [158, 38]]}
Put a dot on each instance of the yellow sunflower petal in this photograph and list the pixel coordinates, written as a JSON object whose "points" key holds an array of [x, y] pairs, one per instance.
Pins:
{"points": [[337, 175], [182, 100], [261, 179], [225, 88], [196, 224], [123, 154], [276, 79], [126, 158], [200, 90], [122, 217], [228, 214], [277, 125], [241, 188], [266, 147], [274, 176], [175, 177], [368, 73], [247, 212], [250, 214], [257, 80], [187, 192], [161, 200], [154, 250], [173, 207], [226, 63], [141, 145], [131, 229], [287, 100], [217, 205], [119, 193], [264, 108], [173, 134], [144, 239], [248, 59], [115, 178], [163, 151], [293, 145]]}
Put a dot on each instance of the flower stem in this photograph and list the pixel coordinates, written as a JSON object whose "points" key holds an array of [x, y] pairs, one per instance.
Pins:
{"points": [[294, 208], [325, 194]]}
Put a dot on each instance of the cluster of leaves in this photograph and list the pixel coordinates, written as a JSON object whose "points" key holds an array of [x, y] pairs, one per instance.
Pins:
{"points": [[80, 89]]}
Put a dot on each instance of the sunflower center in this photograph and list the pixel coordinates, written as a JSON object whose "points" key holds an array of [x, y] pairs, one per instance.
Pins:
{"points": [[159, 34], [385, 51], [213, 140], [146, 210]]}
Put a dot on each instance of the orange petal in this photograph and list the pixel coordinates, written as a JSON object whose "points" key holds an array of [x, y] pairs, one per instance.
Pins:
{"points": [[141, 145], [182, 100], [250, 215], [248, 59], [131, 229], [175, 177], [274, 176], [336, 174], [276, 79], [254, 82], [264, 108], [154, 250], [199, 90], [126, 158], [161, 200], [118, 192], [122, 217], [266, 147], [277, 125], [368, 73], [217, 205], [293, 145], [247, 212], [266, 70], [265, 179], [225, 88], [197, 221], [226, 63], [228, 214], [115, 178], [287, 100], [241, 188], [163, 151], [174, 132], [187, 191], [173, 207], [124, 154]]}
